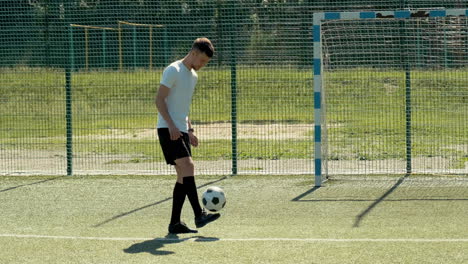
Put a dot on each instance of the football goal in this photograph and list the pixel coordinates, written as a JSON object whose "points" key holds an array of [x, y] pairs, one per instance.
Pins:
{"points": [[90, 45], [391, 92], [141, 37]]}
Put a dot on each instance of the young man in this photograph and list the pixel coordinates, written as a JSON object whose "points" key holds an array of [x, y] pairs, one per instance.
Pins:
{"points": [[176, 133]]}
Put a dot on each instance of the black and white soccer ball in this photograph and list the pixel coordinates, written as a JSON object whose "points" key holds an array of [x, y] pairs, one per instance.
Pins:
{"points": [[214, 199]]}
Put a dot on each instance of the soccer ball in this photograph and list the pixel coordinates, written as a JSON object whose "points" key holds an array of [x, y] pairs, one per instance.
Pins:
{"points": [[214, 199]]}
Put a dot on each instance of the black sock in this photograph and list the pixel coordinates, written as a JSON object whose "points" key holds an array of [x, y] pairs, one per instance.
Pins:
{"points": [[191, 190], [178, 199]]}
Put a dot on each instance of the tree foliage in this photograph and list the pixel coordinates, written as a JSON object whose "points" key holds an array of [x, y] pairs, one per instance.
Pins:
{"points": [[35, 32]]}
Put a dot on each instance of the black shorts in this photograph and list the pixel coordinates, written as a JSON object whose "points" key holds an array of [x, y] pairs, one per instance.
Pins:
{"points": [[174, 149]]}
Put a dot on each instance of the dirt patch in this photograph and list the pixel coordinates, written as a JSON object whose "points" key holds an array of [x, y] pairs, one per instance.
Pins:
{"points": [[221, 131], [21, 162]]}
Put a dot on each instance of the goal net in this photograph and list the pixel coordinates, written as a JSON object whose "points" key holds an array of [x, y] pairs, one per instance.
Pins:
{"points": [[391, 92]]}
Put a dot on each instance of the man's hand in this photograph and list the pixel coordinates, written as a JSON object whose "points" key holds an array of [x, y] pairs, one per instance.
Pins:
{"points": [[193, 139], [174, 132]]}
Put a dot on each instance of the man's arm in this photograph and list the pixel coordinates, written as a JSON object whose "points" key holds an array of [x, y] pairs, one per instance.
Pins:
{"points": [[192, 137], [160, 101], [189, 124]]}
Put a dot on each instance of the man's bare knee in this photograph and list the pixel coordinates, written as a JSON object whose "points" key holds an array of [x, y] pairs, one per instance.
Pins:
{"points": [[184, 167], [184, 163]]}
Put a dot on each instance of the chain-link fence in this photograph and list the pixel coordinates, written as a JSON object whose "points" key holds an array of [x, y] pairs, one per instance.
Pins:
{"points": [[78, 81]]}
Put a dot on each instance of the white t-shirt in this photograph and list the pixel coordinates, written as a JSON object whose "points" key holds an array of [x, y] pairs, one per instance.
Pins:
{"points": [[181, 81]]}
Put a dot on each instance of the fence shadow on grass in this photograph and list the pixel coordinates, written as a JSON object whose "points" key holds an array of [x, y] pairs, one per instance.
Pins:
{"points": [[150, 205], [364, 213], [379, 200], [29, 184], [153, 246], [298, 198], [375, 202]]}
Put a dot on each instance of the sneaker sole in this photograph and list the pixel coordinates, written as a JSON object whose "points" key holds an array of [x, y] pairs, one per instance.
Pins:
{"points": [[207, 222], [188, 232]]}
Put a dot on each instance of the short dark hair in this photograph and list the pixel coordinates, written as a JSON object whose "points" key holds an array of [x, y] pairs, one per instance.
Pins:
{"points": [[204, 45]]}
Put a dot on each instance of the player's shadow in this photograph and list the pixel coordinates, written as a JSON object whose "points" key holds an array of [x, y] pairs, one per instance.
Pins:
{"points": [[155, 246], [150, 205]]}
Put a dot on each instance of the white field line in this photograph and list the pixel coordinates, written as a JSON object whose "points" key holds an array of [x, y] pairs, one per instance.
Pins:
{"points": [[208, 239]]}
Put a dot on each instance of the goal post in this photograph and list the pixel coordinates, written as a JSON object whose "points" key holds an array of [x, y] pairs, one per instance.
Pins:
{"points": [[390, 92]]}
